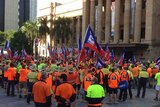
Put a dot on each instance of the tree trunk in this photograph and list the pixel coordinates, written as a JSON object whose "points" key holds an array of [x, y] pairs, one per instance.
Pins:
{"points": [[46, 43], [51, 40], [65, 41], [60, 41]]}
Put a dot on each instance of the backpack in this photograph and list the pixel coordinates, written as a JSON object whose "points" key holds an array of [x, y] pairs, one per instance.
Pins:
{"points": [[123, 84]]}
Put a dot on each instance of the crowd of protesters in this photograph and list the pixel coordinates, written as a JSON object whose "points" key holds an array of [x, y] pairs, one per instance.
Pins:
{"points": [[47, 80]]}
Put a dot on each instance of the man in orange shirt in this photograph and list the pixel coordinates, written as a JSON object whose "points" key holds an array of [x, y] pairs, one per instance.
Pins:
{"points": [[71, 76], [87, 81], [113, 80], [42, 92], [64, 98], [11, 73], [124, 78], [149, 70], [23, 81], [6, 66], [100, 76], [135, 72]]}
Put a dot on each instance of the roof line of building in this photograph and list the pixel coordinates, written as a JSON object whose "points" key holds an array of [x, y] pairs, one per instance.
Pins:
{"points": [[68, 11]]}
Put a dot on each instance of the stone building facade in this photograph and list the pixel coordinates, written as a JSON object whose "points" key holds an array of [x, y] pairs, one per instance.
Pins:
{"points": [[136, 25]]}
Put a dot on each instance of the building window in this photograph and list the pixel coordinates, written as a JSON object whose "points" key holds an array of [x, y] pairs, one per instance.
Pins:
{"points": [[143, 4], [122, 6], [143, 33], [121, 33]]}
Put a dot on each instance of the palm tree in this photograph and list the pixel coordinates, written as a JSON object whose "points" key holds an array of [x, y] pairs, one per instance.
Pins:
{"points": [[51, 31], [31, 31], [62, 30], [43, 28]]}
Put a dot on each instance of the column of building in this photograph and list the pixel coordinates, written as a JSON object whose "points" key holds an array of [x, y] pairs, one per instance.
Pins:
{"points": [[108, 21], [117, 21], [127, 21], [92, 14], [149, 21], [99, 30], [51, 24], [138, 15], [85, 17]]}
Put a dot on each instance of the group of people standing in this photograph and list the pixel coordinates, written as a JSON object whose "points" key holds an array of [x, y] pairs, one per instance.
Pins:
{"points": [[46, 80]]}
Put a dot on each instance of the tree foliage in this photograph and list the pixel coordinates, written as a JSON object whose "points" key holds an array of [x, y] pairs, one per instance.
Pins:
{"points": [[43, 28], [30, 29], [20, 41], [7, 35], [62, 28]]}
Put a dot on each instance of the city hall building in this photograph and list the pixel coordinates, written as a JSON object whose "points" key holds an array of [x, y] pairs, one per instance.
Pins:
{"points": [[130, 24]]}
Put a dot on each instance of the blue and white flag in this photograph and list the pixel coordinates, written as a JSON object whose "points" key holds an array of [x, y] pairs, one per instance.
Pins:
{"points": [[99, 63]]}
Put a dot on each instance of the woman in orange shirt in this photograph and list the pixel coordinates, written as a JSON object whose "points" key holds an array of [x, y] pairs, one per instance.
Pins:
{"points": [[87, 81]]}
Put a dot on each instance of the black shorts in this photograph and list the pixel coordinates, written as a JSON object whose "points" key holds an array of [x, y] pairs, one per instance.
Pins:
{"points": [[112, 90]]}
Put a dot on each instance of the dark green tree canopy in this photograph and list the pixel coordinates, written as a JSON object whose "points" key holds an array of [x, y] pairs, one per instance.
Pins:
{"points": [[62, 28], [7, 35], [20, 41], [43, 28]]}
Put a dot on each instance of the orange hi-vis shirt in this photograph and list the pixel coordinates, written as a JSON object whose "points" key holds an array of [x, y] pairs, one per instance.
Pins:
{"points": [[39, 76], [11, 73], [78, 81], [87, 81], [113, 80], [40, 91], [65, 90], [124, 76], [5, 74], [71, 78], [49, 80], [154, 71], [101, 76], [23, 75], [149, 70], [135, 71]]}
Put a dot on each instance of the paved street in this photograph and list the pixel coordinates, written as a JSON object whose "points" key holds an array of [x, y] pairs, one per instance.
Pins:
{"points": [[135, 102]]}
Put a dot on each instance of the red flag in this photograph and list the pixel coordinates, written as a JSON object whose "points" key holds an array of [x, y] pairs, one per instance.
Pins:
{"points": [[90, 41], [82, 55], [121, 61]]}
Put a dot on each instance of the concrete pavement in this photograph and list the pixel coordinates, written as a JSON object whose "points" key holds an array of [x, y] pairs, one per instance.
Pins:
{"points": [[148, 101]]}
